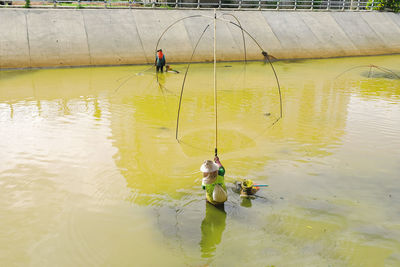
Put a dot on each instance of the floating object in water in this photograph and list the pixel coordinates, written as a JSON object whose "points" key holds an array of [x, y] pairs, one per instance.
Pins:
{"points": [[169, 69], [247, 188], [267, 114], [228, 66]]}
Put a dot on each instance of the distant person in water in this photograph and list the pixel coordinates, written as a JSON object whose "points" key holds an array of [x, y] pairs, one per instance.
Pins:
{"points": [[160, 60], [169, 69], [213, 181]]}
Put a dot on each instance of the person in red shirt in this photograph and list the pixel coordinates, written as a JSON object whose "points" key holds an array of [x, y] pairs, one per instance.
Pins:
{"points": [[160, 60]]}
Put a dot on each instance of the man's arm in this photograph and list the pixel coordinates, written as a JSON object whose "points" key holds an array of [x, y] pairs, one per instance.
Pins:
{"points": [[221, 170]]}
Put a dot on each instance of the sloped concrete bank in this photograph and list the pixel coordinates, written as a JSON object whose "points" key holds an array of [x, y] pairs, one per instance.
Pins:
{"points": [[89, 37]]}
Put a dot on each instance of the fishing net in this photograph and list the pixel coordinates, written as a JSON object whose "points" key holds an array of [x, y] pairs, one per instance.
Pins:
{"points": [[248, 103]]}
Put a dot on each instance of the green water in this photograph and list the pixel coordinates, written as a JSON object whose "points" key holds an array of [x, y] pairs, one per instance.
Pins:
{"points": [[91, 175]]}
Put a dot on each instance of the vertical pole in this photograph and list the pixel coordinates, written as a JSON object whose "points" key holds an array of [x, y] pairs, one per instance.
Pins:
{"points": [[215, 82], [372, 5], [198, 4]]}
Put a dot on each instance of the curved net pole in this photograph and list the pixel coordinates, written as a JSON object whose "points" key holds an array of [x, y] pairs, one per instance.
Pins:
{"points": [[175, 22], [244, 40], [244, 30], [171, 25], [265, 54], [279, 89], [184, 81], [352, 68]]}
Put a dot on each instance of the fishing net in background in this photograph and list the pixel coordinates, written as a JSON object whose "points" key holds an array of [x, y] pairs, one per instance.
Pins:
{"points": [[369, 80], [370, 71], [248, 97]]}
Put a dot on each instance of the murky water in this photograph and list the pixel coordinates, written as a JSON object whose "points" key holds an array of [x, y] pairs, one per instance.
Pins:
{"points": [[91, 175]]}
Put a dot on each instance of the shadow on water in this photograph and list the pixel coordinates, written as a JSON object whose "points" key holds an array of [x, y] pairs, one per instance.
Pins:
{"points": [[212, 227], [292, 61], [381, 75], [9, 74]]}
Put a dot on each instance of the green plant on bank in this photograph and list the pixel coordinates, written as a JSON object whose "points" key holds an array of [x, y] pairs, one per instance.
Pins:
{"points": [[27, 4], [382, 5]]}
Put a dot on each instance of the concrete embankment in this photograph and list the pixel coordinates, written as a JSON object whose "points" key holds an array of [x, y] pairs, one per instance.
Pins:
{"points": [[85, 37]]}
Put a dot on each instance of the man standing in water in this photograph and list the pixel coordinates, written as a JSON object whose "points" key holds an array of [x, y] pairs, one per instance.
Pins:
{"points": [[160, 60], [213, 181]]}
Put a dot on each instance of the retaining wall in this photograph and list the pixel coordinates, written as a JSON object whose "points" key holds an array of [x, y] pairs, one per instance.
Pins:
{"points": [[85, 37]]}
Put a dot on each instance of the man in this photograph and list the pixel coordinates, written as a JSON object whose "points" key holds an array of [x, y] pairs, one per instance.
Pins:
{"points": [[213, 181], [160, 60]]}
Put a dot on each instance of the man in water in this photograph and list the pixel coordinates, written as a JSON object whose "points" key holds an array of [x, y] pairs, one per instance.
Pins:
{"points": [[213, 181], [160, 60]]}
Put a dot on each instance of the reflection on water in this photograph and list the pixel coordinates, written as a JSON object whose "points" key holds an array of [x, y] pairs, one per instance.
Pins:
{"points": [[102, 180], [212, 227]]}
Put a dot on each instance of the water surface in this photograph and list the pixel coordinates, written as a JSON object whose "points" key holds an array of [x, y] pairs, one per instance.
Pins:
{"points": [[91, 173]]}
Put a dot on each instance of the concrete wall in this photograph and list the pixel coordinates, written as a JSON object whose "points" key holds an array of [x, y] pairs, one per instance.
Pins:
{"points": [[52, 37]]}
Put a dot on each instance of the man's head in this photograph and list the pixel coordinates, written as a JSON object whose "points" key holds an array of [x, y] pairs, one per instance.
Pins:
{"points": [[209, 167]]}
